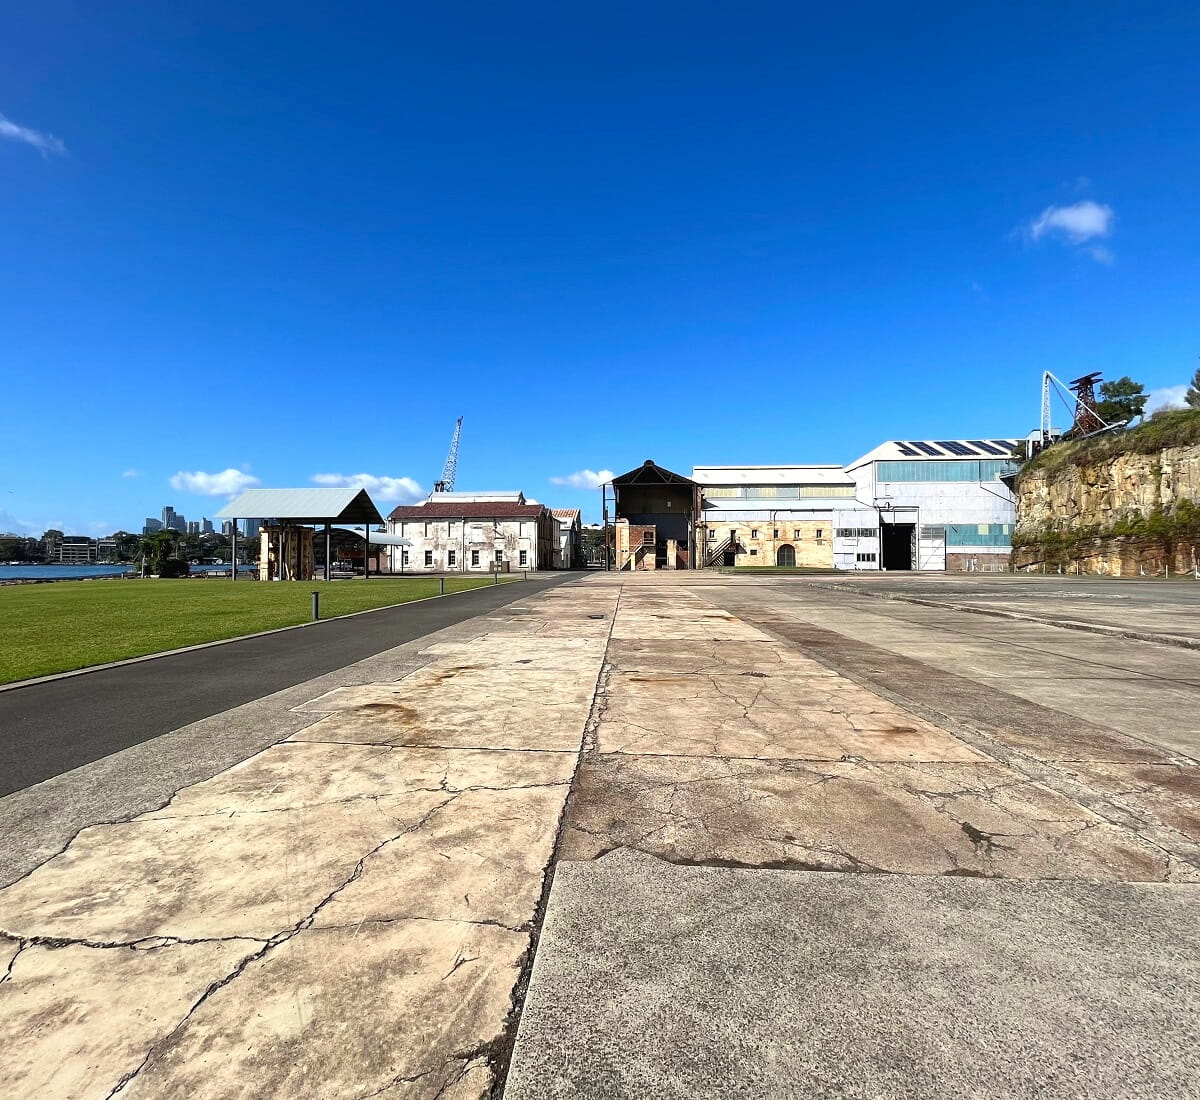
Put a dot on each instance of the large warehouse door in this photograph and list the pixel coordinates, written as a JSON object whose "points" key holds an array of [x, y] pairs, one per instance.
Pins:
{"points": [[896, 545]]}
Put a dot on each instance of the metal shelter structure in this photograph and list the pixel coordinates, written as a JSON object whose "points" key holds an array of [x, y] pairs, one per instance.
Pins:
{"points": [[307, 507]]}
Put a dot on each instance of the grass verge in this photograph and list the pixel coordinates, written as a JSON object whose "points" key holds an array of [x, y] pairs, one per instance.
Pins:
{"points": [[48, 628]]}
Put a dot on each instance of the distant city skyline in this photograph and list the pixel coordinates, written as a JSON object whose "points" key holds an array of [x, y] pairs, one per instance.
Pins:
{"points": [[291, 249]]}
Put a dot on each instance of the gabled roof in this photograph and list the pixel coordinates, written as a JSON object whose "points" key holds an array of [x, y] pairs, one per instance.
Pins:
{"points": [[649, 473], [496, 509], [896, 450], [565, 513], [304, 506]]}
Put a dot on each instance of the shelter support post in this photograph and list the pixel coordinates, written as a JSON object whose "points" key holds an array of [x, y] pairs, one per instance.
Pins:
{"points": [[328, 552], [233, 551]]}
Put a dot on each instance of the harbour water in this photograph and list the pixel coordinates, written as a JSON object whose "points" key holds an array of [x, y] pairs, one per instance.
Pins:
{"points": [[79, 572]]}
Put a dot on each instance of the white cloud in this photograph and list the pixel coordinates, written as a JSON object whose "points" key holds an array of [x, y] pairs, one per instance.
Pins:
{"points": [[10, 525], [401, 490], [226, 483], [43, 143], [584, 479], [1077, 223], [132, 473], [1166, 397], [1101, 254]]}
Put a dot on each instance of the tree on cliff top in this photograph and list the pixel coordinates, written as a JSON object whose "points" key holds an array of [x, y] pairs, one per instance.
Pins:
{"points": [[1192, 397], [1120, 400]]}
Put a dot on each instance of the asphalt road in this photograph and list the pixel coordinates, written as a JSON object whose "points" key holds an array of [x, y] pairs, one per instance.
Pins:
{"points": [[50, 728]]}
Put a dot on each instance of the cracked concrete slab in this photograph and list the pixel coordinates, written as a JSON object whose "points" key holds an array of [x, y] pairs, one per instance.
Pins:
{"points": [[754, 713], [241, 874], [654, 980], [339, 1012], [480, 858], [384, 894], [294, 775], [72, 1018], [932, 819]]}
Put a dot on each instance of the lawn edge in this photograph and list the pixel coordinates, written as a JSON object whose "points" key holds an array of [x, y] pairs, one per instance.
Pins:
{"points": [[52, 676]]}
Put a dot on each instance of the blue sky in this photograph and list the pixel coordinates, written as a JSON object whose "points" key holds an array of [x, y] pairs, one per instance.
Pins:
{"points": [[258, 244]]}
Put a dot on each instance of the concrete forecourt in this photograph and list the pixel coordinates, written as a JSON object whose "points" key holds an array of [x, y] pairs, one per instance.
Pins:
{"points": [[666, 835]]}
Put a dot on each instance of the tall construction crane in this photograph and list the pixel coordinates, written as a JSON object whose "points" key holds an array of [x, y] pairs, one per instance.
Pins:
{"points": [[445, 484]]}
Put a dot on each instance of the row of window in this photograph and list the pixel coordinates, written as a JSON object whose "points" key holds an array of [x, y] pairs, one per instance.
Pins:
{"points": [[975, 471], [856, 533], [776, 533], [452, 558], [777, 492]]}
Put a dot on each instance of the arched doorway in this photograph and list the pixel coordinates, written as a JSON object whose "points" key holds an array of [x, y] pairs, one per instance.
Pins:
{"points": [[786, 555]]}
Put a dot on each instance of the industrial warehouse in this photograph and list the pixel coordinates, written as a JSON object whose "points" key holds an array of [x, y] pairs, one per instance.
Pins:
{"points": [[906, 505]]}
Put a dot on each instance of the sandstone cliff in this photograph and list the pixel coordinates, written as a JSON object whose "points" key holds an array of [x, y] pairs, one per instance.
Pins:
{"points": [[1124, 505]]}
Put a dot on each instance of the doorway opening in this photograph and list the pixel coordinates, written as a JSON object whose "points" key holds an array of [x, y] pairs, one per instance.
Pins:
{"points": [[786, 556], [896, 545]]}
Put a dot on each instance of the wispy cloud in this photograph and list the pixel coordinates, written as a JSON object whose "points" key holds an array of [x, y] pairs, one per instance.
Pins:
{"points": [[584, 479], [226, 483], [1081, 225], [43, 143], [132, 473], [401, 490], [1077, 223], [1166, 397]]}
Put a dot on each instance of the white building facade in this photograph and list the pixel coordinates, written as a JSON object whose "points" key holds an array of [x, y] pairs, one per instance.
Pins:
{"points": [[907, 505], [764, 516], [929, 505], [468, 533]]}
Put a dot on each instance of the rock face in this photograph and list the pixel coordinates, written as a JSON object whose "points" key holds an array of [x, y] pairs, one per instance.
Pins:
{"points": [[1127, 514]]}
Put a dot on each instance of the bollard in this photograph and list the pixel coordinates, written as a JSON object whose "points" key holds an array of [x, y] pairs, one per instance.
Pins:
{"points": [[495, 576], [316, 606], [441, 586], [526, 577]]}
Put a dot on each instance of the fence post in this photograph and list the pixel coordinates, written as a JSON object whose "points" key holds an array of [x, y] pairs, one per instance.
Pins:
{"points": [[316, 606], [441, 586]]}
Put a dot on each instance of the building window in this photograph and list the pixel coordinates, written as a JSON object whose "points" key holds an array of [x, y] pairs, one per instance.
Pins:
{"points": [[648, 537], [754, 553], [864, 557], [499, 557], [428, 558], [754, 533], [820, 533], [775, 533], [950, 470], [712, 532], [475, 557], [404, 557], [524, 557], [856, 533], [796, 535], [451, 557]]}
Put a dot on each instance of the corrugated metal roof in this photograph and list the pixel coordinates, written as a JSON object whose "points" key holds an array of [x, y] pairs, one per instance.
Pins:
{"points": [[307, 505], [565, 513]]}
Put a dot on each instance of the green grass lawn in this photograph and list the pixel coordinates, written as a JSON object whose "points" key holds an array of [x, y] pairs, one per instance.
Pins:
{"points": [[47, 628]]}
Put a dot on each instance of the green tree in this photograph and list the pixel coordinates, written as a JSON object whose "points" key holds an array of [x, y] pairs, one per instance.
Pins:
{"points": [[1192, 397], [158, 548], [1121, 400]]}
